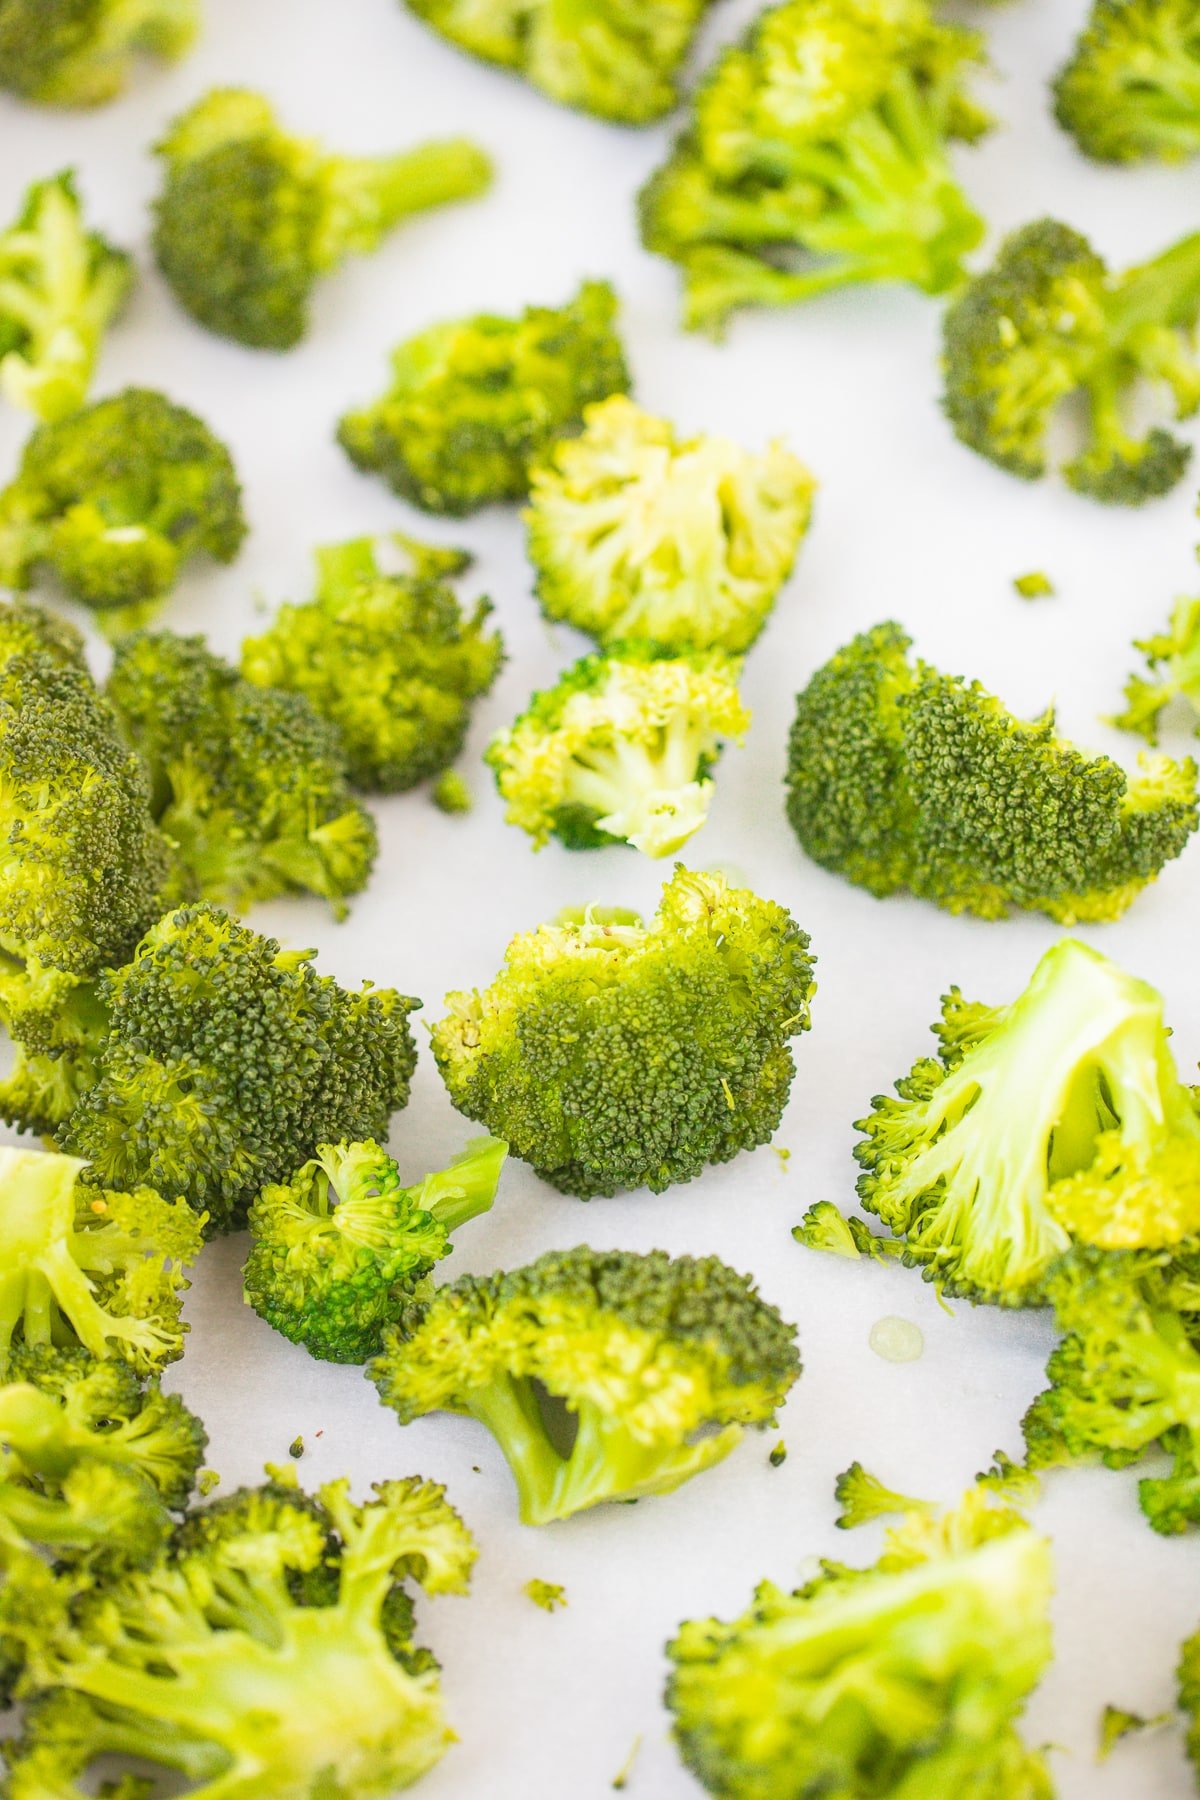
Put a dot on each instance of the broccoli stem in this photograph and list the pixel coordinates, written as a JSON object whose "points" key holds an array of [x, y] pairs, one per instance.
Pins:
{"points": [[366, 196], [467, 1188], [1164, 291], [646, 794]]}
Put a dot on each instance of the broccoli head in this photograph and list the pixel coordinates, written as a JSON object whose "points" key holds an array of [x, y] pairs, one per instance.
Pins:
{"points": [[248, 783], [250, 217], [1130, 91], [1049, 321], [611, 1054], [82, 52], [339, 1249], [636, 533], [902, 778], [1172, 673], [392, 661], [473, 404], [660, 1362]]}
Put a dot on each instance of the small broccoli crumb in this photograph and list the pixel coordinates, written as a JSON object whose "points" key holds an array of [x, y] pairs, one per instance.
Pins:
{"points": [[451, 793], [296, 1448], [778, 1455], [1116, 1723], [206, 1481], [621, 1778], [1035, 586], [1011, 1481], [546, 1594], [784, 1155], [896, 1340]]}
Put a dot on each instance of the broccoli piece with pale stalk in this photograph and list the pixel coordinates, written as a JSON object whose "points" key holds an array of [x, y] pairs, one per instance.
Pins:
{"points": [[637, 533], [660, 1363], [391, 660], [613, 1054], [621, 749], [1130, 91], [863, 1498], [250, 218], [1172, 673], [825, 1228], [474, 404], [339, 1250], [1049, 321], [82, 52]]}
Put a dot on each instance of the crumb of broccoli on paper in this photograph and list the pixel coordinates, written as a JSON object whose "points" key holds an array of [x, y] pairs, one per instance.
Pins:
{"points": [[549, 1595], [1037, 585]]}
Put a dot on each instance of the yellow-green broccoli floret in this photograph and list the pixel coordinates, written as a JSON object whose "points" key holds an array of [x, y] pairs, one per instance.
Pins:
{"points": [[250, 218], [611, 1054], [1172, 673], [824, 1227], [863, 1498], [660, 1361], [1130, 91], [82, 52], [621, 749]]}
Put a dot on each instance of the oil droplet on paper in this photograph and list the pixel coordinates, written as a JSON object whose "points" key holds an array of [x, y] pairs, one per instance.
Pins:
{"points": [[896, 1340]]}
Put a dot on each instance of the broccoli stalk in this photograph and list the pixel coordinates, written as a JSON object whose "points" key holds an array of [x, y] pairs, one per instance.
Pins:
{"points": [[1131, 89], [81, 52]]}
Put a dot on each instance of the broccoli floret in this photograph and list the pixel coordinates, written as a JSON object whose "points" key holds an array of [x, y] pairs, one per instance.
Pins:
{"points": [[908, 1677], [1131, 88], [268, 1652], [112, 502], [250, 217], [611, 1054], [475, 403], [1037, 585], [900, 777], [863, 1497], [248, 783], [339, 1249], [817, 157], [392, 662], [1049, 321], [636, 533], [549, 1595], [1189, 1696], [82, 52], [621, 749], [660, 1362], [825, 1228], [451, 794], [1054, 1121], [1172, 673], [1014, 1482]]}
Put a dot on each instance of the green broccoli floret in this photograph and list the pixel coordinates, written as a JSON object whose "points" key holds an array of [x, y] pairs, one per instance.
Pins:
{"points": [[660, 1362], [905, 1678], [82, 52], [549, 1595], [621, 749], [902, 778], [293, 1603], [1048, 321], [863, 1498], [1189, 1696], [1172, 673], [604, 57], [392, 661], [637, 533], [250, 217], [1057, 1120], [340, 1249], [1037, 585], [817, 157], [224, 1061], [1130, 91], [475, 403], [825, 1228], [248, 783], [451, 794], [611, 1054], [112, 502], [1014, 1482]]}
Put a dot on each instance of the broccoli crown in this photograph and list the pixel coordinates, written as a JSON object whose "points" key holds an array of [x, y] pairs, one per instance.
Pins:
{"points": [[1130, 90], [114, 500], [900, 777], [636, 533], [250, 217], [611, 1054], [294, 1601], [621, 749], [248, 783], [644, 1351], [81, 52], [392, 662], [606, 58], [473, 404], [1172, 673], [907, 1677], [1048, 321], [228, 1060], [339, 1249]]}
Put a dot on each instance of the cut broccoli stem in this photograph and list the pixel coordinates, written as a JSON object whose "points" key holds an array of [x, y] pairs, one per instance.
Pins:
{"points": [[366, 196], [467, 1187], [1162, 292], [649, 796]]}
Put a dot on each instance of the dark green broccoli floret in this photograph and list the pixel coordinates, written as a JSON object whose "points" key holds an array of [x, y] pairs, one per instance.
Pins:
{"points": [[475, 403], [248, 783], [111, 502], [341, 1248], [81, 52], [1172, 673], [451, 793], [612, 1054], [1048, 321], [660, 1361], [392, 661], [900, 777], [250, 217], [1131, 89]]}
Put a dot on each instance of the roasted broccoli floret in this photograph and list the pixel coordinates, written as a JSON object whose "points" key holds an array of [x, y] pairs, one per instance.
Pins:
{"points": [[391, 660], [340, 1249], [817, 157], [250, 217], [1049, 321], [660, 1362], [248, 783], [475, 403], [1131, 89], [902, 778], [612, 1054], [226, 1061], [82, 52], [637, 533], [1172, 673], [905, 1678]]}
